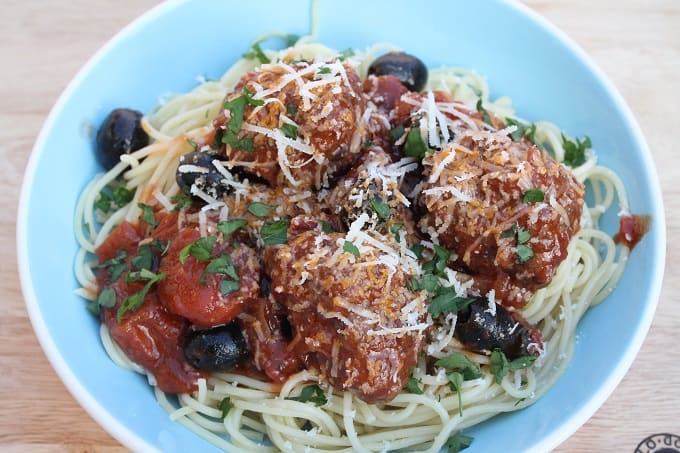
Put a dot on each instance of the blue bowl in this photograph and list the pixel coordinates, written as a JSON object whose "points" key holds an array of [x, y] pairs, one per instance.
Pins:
{"points": [[521, 55]]}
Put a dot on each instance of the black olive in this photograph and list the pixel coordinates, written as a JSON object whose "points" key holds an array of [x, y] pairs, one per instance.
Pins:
{"points": [[482, 331], [121, 133], [217, 349], [409, 69], [197, 168]]}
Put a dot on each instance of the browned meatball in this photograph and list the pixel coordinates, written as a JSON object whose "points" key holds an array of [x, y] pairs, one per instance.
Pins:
{"points": [[477, 195], [302, 122], [374, 187], [353, 318]]}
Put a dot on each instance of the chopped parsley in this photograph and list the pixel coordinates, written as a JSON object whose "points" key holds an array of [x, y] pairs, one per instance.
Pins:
{"points": [[256, 53], [135, 301], [116, 265], [312, 393], [397, 133], [456, 383], [458, 442], [575, 152], [229, 226], [429, 283], [327, 227], [259, 209], [220, 265], [147, 216], [395, 228], [446, 300], [107, 298], [522, 236], [345, 54], [291, 109], [229, 135], [459, 362], [381, 208], [523, 130], [275, 232], [350, 248], [533, 196], [181, 200], [418, 250], [324, 70], [439, 261], [289, 130], [413, 385], [415, 146], [485, 114], [500, 366], [112, 197], [225, 406], [201, 249]]}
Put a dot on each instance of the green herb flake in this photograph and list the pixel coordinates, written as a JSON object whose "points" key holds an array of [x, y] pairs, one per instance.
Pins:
{"points": [[413, 385], [289, 130], [345, 54], [524, 253], [446, 300], [458, 442], [291, 109], [418, 250], [107, 298], [439, 262], [428, 283], [458, 361], [313, 394], [575, 151], [225, 406], [485, 114], [533, 196], [500, 366], [147, 216], [324, 70], [523, 130], [229, 286], [181, 201], [256, 53], [259, 209], [397, 133], [192, 143], [395, 228], [135, 301], [122, 196], [221, 265], [143, 258], [201, 249], [348, 247], [381, 208], [327, 227], [229, 135], [116, 265], [103, 203], [415, 145], [275, 232], [456, 383], [229, 226]]}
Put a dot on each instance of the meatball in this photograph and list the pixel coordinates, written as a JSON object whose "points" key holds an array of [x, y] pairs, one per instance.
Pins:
{"points": [[353, 318], [373, 188], [507, 209], [208, 296], [300, 122]]}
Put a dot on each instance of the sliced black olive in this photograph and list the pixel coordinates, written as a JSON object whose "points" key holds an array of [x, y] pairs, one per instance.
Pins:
{"points": [[121, 133], [217, 349], [410, 70], [480, 330], [197, 168]]}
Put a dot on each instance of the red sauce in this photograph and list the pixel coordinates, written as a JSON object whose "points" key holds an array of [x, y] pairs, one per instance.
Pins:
{"points": [[631, 229]]}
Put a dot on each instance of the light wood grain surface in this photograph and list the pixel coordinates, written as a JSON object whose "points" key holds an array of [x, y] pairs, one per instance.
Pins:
{"points": [[43, 44]]}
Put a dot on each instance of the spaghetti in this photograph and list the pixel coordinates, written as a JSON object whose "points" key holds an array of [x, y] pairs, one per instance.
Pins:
{"points": [[244, 412]]}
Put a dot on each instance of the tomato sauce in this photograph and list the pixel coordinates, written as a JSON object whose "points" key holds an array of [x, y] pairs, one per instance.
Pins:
{"points": [[631, 229]]}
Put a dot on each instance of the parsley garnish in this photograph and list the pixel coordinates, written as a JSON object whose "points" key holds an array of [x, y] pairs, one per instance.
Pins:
{"points": [[327, 227], [259, 209], [439, 261], [500, 366], [523, 130], [291, 109], [415, 145], [113, 198], [533, 196], [458, 442], [312, 393], [256, 53], [115, 265], [575, 152], [524, 251], [181, 201], [485, 115], [229, 136], [221, 265], [446, 300], [345, 54], [107, 297], [201, 249], [324, 70], [397, 133], [225, 406], [147, 216], [289, 130], [143, 258], [418, 250], [275, 232], [229, 226], [457, 361], [413, 385], [348, 247], [381, 208], [229, 286], [135, 301], [429, 282], [395, 228], [192, 143], [456, 383]]}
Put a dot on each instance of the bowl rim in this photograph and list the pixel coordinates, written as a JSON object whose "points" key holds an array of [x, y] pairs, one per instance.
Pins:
{"points": [[128, 438]]}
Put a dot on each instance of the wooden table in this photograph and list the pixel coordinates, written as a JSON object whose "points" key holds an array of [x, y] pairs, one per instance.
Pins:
{"points": [[43, 44]]}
